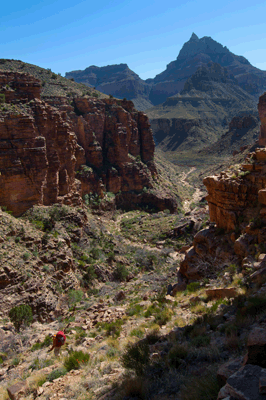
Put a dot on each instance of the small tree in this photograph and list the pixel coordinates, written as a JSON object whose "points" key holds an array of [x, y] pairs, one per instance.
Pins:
{"points": [[21, 316]]}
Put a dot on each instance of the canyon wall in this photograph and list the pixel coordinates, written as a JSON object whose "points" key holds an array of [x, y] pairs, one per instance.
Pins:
{"points": [[60, 149]]}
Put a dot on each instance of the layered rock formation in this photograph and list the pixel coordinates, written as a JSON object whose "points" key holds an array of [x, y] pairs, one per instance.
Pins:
{"points": [[237, 208], [199, 114], [117, 80], [236, 195], [51, 155], [38, 150]]}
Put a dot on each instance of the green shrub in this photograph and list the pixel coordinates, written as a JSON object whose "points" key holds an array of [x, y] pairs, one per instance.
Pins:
{"points": [[75, 296], [135, 309], [205, 387], [75, 360], [193, 287], [56, 373], [199, 341], [163, 316], [136, 357], [138, 332], [15, 361], [2, 98], [21, 316], [176, 355], [26, 256], [120, 273], [90, 275], [112, 328]]}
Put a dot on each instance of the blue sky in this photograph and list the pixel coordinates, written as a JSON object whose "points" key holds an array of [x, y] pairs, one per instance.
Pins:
{"points": [[146, 35]]}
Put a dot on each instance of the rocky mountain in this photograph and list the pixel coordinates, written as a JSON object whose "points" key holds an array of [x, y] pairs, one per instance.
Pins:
{"points": [[120, 81], [201, 112], [183, 319], [197, 53], [63, 153], [117, 80]]}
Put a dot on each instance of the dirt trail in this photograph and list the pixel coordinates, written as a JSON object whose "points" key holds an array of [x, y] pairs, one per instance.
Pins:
{"points": [[197, 195]]}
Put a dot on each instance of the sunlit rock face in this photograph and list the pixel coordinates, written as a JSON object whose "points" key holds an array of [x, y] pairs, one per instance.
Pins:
{"points": [[58, 152]]}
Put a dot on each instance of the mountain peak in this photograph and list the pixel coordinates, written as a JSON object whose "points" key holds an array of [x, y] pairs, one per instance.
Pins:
{"points": [[206, 45], [194, 37]]}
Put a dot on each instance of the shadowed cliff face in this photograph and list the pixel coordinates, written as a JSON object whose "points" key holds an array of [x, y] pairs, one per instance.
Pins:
{"points": [[106, 144]]}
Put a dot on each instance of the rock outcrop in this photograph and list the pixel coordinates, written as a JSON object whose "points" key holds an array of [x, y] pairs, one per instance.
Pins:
{"points": [[38, 151], [117, 80], [59, 152], [237, 208], [262, 115], [236, 195]]}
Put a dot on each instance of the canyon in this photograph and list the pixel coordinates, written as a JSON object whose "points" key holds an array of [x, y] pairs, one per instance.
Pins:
{"points": [[60, 154]]}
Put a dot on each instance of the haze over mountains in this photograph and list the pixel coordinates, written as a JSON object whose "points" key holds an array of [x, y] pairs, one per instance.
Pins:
{"points": [[120, 81]]}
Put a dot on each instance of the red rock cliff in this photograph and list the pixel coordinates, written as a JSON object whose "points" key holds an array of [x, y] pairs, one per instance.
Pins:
{"points": [[38, 152], [106, 144]]}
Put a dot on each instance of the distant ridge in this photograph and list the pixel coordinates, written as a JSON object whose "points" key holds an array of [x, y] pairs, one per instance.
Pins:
{"points": [[121, 81]]}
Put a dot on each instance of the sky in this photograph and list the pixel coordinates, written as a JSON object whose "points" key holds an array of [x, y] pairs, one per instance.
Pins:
{"points": [[147, 35]]}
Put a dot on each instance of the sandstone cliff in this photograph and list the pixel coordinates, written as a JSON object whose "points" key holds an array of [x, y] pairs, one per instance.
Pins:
{"points": [[38, 149], [237, 208], [57, 152]]}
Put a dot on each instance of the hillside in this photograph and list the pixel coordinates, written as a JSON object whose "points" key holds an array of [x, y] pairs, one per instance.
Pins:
{"points": [[117, 80], [136, 310], [201, 112], [52, 84], [160, 291]]}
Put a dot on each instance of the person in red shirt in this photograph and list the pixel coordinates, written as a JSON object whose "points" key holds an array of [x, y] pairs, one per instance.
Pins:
{"points": [[58, 341]]}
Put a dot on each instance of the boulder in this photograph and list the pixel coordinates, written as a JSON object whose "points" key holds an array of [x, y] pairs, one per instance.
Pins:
{"points": [[228, 369], [244, 384], [17, 391], [256, 347], [221, 293]]}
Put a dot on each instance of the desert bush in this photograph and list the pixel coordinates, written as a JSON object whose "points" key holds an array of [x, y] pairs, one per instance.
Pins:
{"points": [[136, 357], [138, 332], [193, 287], [56, 373], [74, 296], [47, 342], [76, 359], [89, 275], [176, 355], [201, 388], [112, 328], [135, 309], [164, 315], [199, 341], [120, 273], [21, 316]]}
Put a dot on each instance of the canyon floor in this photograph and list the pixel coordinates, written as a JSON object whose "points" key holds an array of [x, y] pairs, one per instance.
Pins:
{"points": [[109, 274]]}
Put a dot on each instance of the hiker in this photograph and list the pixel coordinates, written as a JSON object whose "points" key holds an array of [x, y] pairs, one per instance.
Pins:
{"points": [[58, 341]]}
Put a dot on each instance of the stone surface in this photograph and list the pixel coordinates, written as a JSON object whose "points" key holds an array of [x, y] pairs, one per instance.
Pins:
{"points": [[244, 384], [228, 369], [56, 155], [232, 196], [256, 347], [221, 293], [17, 391]]}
